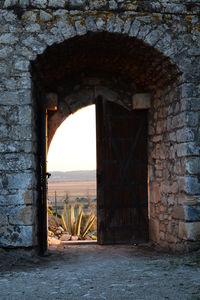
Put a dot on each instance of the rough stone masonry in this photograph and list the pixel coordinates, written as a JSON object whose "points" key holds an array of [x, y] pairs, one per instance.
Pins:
{"points": [[77, 50]]}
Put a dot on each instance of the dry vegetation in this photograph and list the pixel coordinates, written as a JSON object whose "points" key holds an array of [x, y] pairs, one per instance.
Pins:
{"points": [[62, 218], [72, 188]]}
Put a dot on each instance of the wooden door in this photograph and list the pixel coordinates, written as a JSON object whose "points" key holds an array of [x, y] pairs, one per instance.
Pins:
{"points": [[122, 204]]}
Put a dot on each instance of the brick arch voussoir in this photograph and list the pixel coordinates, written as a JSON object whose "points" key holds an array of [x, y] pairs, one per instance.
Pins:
{"points": [[149, 34]]}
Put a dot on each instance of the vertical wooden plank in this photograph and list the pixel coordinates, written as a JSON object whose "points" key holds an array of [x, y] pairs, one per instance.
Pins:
{"points": [[100, 153]]}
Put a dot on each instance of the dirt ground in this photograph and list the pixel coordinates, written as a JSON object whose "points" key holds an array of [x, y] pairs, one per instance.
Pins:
{"points": [[100, 272]]}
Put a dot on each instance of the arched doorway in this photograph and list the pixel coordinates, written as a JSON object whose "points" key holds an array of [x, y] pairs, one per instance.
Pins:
{"points": [[106, 70], [71, 161]]}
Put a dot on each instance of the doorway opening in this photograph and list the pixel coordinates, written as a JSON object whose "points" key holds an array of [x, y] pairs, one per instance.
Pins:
{"points": [[103, 76], [71, 162], [122, 194]]}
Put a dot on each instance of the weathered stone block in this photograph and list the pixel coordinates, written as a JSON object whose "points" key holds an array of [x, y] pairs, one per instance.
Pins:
{"points": [[178, 213], [182, 231], [68, 31], [5, 52], [8, 38], [21, 181], [30, 16], [16, 236], [22, 65], [174, 188], [155, 193], [22, 215], [16, 147], [25, 115], [45, 16], [16, 162], [142, 101], [190, 185], [39, 3], [80, 27], [185, 135], [21, 132], [97, 4], [9, 98], [8, 3], [154, 230], [16, 197], [3, 216], [57, 3], [192, 119], [162, 235], [182, 149], [75, 4], [189, 231], [164, 188], [24, 3], [192, 213], [112, 4], [193, 165]]}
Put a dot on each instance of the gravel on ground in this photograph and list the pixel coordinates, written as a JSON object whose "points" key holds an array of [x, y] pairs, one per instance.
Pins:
{"points": [[99, 272]]}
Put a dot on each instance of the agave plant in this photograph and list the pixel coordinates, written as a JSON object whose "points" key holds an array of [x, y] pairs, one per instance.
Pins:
{"points": [[88, 225], [53, 215], [73, 220]]}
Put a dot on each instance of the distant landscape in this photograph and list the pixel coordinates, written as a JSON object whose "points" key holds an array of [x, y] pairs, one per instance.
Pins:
{"points": [[74, 184], [73, 176]]}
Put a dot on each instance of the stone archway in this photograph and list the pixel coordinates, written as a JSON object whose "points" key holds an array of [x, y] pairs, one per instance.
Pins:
{"points": [[79, 70], [149, 46]]}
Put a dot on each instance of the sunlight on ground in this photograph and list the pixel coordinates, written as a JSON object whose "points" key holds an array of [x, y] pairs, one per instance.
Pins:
{"points": [[74, 144]]}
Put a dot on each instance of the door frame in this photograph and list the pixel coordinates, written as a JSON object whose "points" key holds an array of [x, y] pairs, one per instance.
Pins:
{"points": [[43, 203]]}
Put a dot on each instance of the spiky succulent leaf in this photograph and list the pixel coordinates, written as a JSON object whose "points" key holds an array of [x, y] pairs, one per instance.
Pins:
{"points": [[88, 225]]}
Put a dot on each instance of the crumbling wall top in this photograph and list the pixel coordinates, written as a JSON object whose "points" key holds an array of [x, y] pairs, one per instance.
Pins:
{"points": [[155, 6]]}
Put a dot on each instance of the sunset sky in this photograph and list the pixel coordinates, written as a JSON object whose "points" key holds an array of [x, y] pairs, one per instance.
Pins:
{"points": [[74, 144]]}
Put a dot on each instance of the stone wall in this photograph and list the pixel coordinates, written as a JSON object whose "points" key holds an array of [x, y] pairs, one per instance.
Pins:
{"points": [[173, 195], [151, 46]]}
